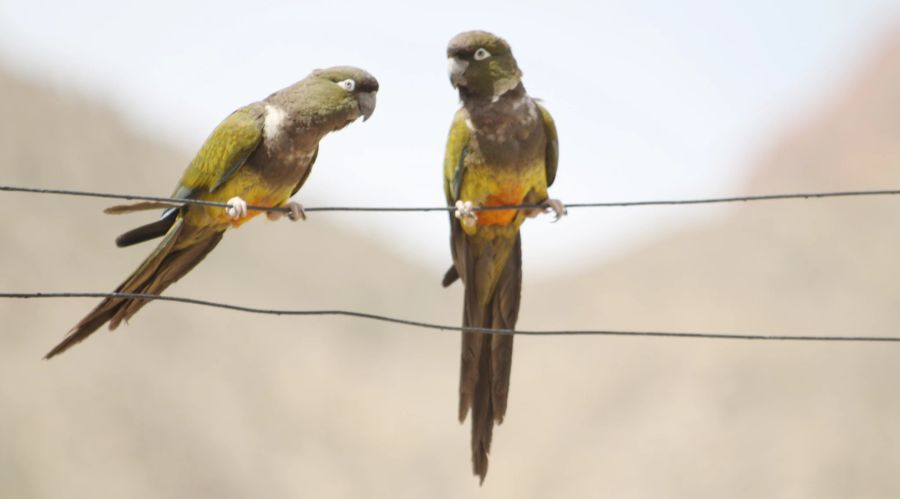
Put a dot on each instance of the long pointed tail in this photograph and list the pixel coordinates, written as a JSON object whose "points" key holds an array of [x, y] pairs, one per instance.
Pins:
{"points": [[168, 263], [487, 359]]}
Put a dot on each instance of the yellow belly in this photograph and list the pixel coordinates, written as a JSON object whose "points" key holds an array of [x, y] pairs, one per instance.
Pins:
{"points": [[247, 185]]}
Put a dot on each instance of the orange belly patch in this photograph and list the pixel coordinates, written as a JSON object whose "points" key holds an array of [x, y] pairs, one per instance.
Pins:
{"points": [[250, 215], [510, 195]]}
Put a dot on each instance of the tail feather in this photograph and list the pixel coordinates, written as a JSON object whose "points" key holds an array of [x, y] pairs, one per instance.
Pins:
{"points": [[472, 343], [501, 367], [147, 232], [486, 360], [88, 325], [163, 267], [505, 313], [173, 267], [450, 276], [470, 361], [120, 209], [482, 412]]}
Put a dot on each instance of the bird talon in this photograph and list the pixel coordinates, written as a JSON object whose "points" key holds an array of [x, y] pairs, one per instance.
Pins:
{"points": [[237, 208], [557, 207], [296, 212], [465, 213]]}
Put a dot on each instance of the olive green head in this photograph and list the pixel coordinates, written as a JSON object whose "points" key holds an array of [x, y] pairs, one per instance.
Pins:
{"points": [[481, 64], [344, 93]]}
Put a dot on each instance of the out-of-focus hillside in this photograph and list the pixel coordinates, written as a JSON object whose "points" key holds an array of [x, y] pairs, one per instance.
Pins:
{"points": [[191, 402]]}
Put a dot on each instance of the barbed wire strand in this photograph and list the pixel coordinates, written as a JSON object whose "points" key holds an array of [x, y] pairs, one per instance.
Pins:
{"points": [[603, 204], [442, 327]]}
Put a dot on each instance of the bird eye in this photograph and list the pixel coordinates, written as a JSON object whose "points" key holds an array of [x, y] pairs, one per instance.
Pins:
{"points": [[481, 54], [348, 85]]}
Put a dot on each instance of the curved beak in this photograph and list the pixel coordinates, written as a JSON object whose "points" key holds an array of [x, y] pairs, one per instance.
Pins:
{"points": [[366, 102], [456, 69]]}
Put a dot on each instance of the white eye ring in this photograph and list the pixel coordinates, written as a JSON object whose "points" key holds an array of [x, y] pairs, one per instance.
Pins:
{"points": [[348, 85], [481, 54]]}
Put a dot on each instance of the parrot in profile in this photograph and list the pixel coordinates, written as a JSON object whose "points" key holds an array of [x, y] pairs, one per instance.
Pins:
{"points": [[502, 150], [261, 154]]}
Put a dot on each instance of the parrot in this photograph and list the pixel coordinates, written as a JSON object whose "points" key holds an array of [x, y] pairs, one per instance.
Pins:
{"points": [[261, 154], [502, 150]]}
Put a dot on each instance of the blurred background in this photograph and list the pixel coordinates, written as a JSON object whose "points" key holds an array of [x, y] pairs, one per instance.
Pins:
{"points": [[652, 100]]}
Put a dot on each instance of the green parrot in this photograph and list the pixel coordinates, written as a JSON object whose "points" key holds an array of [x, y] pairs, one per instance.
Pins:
{"points": [[502, 150], [261, 155]]}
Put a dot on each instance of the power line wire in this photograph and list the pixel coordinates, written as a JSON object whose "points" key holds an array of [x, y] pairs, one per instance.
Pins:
{"points": [[601, 204], [441, 327]]}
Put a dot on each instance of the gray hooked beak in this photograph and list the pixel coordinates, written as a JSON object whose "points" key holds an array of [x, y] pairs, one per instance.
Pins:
{"points": [[366, 104], [457, 68]]}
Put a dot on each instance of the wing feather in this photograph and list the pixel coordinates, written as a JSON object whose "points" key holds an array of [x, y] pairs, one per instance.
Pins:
{"points": [[226, 149], [454, 170], [552, 151]]}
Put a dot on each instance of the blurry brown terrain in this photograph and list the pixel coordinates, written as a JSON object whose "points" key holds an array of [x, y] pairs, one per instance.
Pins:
{"points": [[194, 402]]}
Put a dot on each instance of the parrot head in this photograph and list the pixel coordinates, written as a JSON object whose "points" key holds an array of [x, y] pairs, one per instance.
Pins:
{"points": [[481, 65], [345, 91]]}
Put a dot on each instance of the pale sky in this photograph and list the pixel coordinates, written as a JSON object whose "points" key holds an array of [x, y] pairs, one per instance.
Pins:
{"points": [[653, 99]]}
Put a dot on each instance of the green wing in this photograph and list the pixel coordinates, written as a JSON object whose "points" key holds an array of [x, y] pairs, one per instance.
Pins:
{"points": [[224, 151], [454, 157], [454, 169], [552, 152]]}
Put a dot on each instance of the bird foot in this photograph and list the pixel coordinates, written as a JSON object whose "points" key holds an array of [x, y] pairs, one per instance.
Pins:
{"points": [[237, 208], [465, 214], [556, 206], [295, 214]]}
